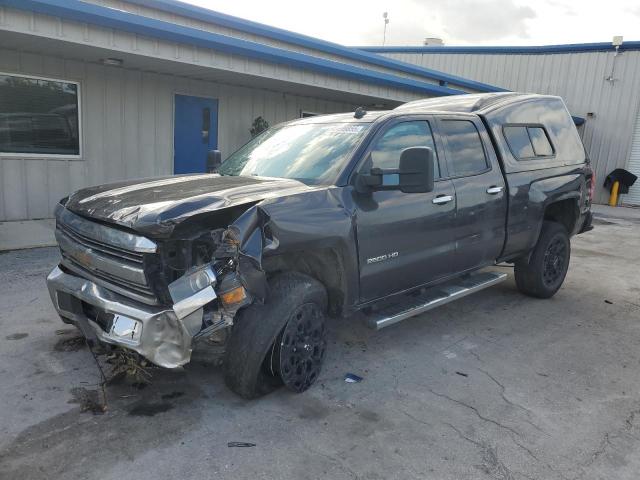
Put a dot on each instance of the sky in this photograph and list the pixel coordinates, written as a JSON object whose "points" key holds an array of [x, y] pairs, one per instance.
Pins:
{"points": [[456, 22]]}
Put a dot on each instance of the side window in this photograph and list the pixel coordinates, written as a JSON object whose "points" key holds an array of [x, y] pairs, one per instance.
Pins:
{"points": [[541, 145], [528, 142], [519, 142], [387, 149], [464, 147]]}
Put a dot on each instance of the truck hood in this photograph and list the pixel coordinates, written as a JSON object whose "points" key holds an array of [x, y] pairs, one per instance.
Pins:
{"points": [[156, 206]]}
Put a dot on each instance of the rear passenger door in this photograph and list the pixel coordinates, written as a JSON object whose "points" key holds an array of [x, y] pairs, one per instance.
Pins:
{"points": [[480, 191]]}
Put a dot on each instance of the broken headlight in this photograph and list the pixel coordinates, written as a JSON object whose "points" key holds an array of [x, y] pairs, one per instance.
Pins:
{"points": [[193, 290]]}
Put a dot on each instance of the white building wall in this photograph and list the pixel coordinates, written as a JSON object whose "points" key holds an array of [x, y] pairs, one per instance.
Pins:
{"points": [[579, 78], [127, 128]]}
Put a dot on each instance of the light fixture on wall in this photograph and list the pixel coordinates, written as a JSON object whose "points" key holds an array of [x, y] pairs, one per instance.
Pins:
{"points": [[112, 62], [617, 41]]}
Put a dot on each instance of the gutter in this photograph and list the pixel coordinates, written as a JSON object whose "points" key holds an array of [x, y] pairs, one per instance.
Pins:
{"points": [[507, 50]]}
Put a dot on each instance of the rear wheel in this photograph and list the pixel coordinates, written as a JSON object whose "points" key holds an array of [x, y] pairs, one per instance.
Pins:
{"points": [[280, 342], [544, 272]]}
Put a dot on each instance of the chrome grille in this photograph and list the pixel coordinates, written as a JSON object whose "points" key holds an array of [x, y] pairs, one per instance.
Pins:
{"points": [[107, 256]]}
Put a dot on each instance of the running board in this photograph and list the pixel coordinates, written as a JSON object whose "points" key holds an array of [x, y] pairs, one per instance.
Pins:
{"points": [[434, 297]]}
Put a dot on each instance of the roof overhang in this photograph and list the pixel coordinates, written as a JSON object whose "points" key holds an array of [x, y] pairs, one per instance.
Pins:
{"points": [[145, 26]]}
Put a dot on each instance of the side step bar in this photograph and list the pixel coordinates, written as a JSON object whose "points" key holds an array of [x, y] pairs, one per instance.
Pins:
{"points": [[434, 297]]}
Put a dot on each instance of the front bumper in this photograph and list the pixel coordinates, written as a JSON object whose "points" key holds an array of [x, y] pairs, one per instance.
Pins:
{"points": [[160, 336]]}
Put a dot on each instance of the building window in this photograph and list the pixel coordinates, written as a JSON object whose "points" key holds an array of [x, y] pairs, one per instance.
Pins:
{"points": [[528, 142], [38, 116]]}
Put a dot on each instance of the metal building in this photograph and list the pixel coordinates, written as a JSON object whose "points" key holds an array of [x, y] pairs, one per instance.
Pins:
{"points": [[597, 81], [96, 91]]}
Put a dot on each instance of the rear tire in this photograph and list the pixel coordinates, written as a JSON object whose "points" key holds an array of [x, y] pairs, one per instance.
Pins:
{"points": [[543, 274], [264, 337]]}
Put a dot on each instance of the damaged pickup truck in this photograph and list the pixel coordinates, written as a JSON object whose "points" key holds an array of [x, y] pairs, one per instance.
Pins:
{"points": [[389, 213]]}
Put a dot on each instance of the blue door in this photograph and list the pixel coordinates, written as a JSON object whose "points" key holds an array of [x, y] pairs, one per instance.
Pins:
{"points": [[195, 133]]}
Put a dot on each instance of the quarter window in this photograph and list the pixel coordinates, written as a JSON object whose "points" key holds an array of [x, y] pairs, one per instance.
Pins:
{"points": [[528, 141], [387, 149], [465, 148], [38, 116], [541, 144]]}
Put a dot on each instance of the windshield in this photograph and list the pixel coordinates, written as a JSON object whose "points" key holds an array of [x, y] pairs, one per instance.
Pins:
{"points": [[312, 153]]}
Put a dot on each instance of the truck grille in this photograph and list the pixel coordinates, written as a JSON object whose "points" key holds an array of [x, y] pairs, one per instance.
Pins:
{"points": [[106, 256]]}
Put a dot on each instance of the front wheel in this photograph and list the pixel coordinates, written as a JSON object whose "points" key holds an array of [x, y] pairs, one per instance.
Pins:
{"points": [[543, 274], [280, 342]]}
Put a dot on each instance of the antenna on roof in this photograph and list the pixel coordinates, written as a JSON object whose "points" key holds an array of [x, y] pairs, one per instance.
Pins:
{"points": [[385, 15], [359, 113]]}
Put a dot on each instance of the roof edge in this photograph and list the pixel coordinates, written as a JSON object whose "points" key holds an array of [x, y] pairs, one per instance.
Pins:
{"points": [[525, 49], [203, 14], [117, 19]]}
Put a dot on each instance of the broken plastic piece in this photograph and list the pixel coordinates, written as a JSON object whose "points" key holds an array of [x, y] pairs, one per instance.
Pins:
{"points": [[352, 378]]}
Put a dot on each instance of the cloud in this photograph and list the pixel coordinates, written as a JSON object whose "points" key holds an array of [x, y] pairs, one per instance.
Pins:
{"points": [[473, 21], [456, 22]]}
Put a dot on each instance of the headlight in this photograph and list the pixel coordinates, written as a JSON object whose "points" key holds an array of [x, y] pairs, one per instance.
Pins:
{"points": [[193, 290]]}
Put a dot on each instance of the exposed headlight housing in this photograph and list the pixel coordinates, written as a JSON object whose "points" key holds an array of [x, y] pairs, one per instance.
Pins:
{"points": [[193, 290]]}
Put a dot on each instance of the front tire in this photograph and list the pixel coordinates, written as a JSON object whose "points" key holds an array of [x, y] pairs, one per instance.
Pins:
{"points": [[280, 342], [543, 274]]}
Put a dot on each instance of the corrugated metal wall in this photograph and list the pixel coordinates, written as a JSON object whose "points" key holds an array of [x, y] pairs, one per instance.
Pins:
{"points": [[634, 166], [577, 77], [127, 128]]}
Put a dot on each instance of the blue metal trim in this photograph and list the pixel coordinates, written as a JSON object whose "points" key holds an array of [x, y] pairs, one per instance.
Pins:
{"points": [[530, 50], [203, 14], [111, 18]]}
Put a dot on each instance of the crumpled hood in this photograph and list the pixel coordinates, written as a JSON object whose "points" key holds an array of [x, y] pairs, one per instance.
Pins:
{"points": [[155, 206]]}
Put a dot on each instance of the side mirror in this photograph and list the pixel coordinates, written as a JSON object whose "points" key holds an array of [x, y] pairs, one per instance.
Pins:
{"points": [[416, 170], [214, 160], [414, 175]]}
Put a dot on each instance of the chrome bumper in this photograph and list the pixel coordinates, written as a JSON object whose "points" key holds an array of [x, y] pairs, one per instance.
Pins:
{"points": [[155, 333]]}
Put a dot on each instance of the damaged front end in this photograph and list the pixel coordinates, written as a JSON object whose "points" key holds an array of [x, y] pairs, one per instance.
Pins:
{"points": [[193, 287]]}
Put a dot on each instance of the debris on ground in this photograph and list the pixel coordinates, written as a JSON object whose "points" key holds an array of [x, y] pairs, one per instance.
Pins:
{"points": [[71, 344], [89, 400], [462, 374], [130, 365], [609, 302], [240, 444], [352, 378]]}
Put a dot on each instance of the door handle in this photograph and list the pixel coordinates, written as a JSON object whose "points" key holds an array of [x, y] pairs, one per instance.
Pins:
{"points": [[440, 199], [493, 190]]}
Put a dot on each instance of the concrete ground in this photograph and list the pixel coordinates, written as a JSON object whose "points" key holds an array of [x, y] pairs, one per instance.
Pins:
{"points": [[496, 385]]}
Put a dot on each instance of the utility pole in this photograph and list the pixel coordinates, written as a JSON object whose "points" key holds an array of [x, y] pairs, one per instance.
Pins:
{"points": [[385, 15]]}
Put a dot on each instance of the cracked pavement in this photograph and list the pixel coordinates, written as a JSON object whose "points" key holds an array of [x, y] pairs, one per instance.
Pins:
{"points": [[494, 386]]}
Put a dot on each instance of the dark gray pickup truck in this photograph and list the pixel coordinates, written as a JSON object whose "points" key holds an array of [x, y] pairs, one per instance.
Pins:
{"points": [[390, 213]]}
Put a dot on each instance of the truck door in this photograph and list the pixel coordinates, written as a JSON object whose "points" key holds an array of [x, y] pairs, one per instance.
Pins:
{"points": [[480, 191], [404, 239]]}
